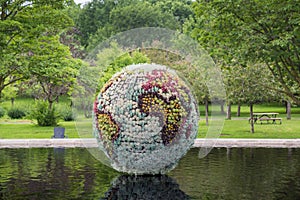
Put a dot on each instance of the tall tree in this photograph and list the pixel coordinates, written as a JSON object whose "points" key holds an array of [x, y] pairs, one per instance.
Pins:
{"points": [[180, 9], [53, 68], [71, 36], [254, 31], [22, 23], [249, 85], [101, 19], [94, 15], [138, 15]]}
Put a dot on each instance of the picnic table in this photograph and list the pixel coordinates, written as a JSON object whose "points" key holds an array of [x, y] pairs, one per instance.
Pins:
{"points": [[267, 117]]}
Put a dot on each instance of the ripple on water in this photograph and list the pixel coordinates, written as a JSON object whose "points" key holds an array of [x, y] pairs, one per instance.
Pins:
{"points": [[236, 173]]}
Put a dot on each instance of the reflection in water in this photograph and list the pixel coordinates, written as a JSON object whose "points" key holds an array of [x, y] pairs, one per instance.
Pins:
{"points": [[73, 173], [240, 173], [130, 187], [52, 174]]}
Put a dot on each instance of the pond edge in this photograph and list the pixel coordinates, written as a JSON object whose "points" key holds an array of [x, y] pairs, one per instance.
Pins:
{"points": [[207, 143]]}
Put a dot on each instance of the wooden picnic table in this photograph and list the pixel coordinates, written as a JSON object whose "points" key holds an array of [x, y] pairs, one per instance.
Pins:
{"points": [[272, 116]]}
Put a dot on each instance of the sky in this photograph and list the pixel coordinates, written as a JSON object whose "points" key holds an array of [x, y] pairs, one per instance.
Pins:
{"points": [[81, 1]]}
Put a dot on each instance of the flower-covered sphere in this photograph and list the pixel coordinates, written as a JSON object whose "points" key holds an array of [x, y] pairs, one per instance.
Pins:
{"points": [[145, 119]]}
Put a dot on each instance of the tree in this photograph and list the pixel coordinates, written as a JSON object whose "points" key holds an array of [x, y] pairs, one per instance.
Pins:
{"points": [[22, 23], [70, 39], [254, 32], [94, 15], [138, 15], [141, 15], [53, 68], [71, 36], [99, 20], [181, 10], [10, 92], [249, 85]]}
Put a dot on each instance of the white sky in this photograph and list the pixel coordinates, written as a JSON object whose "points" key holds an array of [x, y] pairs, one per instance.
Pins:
{"points": [[81, 1]]}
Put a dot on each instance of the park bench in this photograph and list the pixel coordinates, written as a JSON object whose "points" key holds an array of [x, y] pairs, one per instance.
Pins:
{"points": [[273, 119], [267, 117]]}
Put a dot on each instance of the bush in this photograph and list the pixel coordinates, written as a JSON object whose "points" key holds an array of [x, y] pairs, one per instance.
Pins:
{"points": [[44, 115], [2, 112], [68, 115], [16, 113]]}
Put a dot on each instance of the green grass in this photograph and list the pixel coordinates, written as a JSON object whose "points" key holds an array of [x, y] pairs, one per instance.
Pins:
{"points": [[238, 127], [25, 128], [27, 104], [11, 130]]}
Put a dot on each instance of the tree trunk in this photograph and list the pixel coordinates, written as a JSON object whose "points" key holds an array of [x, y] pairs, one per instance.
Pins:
{"points": [[238, 113], [222, 107], [251, 118], [206, 111], [12, 101], [228, 111], [1, 86], [50, 105], [288, 110]]}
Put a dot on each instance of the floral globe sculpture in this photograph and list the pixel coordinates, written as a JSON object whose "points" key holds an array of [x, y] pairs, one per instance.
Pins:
{"points": [[145, 119]]}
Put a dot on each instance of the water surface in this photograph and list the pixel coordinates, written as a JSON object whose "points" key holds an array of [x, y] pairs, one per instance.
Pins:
{"points": [[73, 173]]}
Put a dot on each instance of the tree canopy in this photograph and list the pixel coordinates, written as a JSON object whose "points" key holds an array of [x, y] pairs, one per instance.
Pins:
{"points": [[99, 20], [253, 31], [22, 25], [53, 68], [244, 37]]}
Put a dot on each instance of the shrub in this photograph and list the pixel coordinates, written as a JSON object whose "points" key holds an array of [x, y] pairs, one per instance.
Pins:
{"points": [[68, 115], [16, 113], [44, 115], [2, 112]]}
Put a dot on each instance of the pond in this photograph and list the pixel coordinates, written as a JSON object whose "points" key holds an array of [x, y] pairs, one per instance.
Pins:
{"points": [[73, 173]]}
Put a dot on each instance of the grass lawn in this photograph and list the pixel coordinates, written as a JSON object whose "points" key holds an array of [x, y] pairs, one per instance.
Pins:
{"points": [[238, 127], [13, 129], [235, 128]]}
